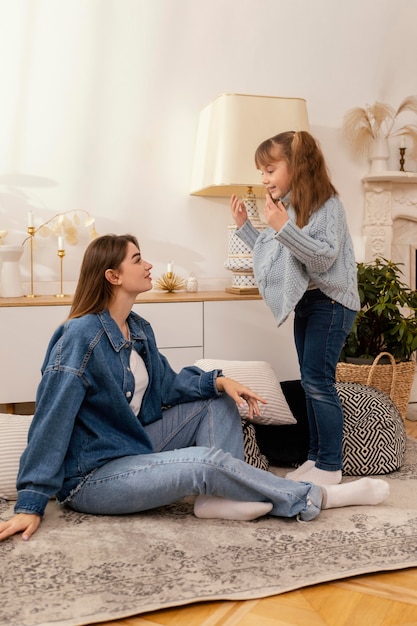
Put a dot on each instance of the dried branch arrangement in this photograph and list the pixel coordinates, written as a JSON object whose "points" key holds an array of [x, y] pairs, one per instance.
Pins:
{"points": [[361, 125], [66, 224]]}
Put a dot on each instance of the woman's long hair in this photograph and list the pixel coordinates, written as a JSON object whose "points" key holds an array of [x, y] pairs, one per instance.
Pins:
{"points": [[310, 180], [94, 292]]}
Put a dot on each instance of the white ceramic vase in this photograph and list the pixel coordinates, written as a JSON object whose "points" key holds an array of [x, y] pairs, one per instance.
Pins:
{"points": [[378, 156], [10, 278], [192, 283]]}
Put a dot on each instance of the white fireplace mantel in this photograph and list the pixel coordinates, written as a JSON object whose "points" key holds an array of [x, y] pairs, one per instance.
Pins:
{"points": [[390, 220]]}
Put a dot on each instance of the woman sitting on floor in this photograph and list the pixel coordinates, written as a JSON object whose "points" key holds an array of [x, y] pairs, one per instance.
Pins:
{"points": [[117, 431]]}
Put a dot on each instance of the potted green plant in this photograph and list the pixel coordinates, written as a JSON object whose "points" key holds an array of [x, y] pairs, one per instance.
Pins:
{"points": [[385, 327], [387, 321]]}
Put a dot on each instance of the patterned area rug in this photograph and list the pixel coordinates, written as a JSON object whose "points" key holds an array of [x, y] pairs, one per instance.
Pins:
{"points": [[81, 569]]}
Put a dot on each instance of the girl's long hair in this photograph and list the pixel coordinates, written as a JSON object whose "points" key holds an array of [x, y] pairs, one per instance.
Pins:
{"points": [[94, 292], [310, 180]]}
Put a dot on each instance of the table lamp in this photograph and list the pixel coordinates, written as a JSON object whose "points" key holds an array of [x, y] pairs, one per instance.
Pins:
{"points": [[230, 129]]}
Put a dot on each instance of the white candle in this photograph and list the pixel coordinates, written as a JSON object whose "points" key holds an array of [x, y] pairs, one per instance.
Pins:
{"points": [[30, 219], [402, 141], [170, 268], [60, 243]]}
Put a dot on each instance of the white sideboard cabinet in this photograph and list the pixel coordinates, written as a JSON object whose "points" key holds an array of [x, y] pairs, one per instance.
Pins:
{"points": [[246, 331], [24, 335], [178, 328], [188, 326]]}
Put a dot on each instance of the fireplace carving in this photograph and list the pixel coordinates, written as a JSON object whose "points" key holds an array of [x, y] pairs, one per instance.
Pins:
{"points": [[390, 225], [390, 221]]}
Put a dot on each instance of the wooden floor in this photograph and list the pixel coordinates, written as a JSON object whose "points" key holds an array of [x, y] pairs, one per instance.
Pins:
{"points": [[384, 599]]}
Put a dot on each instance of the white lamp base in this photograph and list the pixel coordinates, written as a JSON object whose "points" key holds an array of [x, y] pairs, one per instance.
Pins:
{"points": [[240, 259]]}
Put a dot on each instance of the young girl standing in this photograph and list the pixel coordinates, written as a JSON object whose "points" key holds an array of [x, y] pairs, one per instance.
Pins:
{"points": [[304, 262]]}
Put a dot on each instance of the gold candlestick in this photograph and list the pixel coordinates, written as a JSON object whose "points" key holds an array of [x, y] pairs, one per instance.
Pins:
{"points": [[61, 254], [402, 159], [31, 231]]}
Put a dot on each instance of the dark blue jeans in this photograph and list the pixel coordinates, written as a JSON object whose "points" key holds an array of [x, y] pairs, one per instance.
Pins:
{"points": [[321, 326]]}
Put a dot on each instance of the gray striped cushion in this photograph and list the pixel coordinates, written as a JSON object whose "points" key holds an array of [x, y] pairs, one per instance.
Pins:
{"points": [[13, 438], [260, 377]]}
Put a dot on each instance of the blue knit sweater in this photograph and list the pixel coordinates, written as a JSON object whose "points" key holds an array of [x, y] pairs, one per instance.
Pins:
{"points": [[321, 253]]}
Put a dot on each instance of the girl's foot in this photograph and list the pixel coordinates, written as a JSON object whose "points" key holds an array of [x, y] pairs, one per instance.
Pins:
{"points": [[307, 465], [363, 491], [214, 507], [321, 477]]}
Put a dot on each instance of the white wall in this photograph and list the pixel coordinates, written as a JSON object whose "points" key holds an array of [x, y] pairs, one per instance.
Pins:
{"points": [[100, 101]]}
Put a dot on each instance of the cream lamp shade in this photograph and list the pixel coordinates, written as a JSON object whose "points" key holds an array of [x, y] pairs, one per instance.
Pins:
{"points": [[230, 129]]}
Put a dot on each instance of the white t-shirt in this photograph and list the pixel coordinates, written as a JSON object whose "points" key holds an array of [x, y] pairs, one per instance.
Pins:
{"points": [[141, 377]]}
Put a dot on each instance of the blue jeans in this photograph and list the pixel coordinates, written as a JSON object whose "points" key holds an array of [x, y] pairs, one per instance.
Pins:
{"points": [[198, 450], [321, 326]]}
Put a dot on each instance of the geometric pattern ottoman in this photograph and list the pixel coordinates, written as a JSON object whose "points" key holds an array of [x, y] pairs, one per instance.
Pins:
{"points": [[374, 436], [253, 455]]}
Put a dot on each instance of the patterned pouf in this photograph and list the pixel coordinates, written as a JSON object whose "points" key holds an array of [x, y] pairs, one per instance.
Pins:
{"points": [[253, 455], [374, 435]]}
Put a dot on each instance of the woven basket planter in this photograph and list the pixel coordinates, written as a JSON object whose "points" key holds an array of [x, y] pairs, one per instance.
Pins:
{"points": [[395, 379]]}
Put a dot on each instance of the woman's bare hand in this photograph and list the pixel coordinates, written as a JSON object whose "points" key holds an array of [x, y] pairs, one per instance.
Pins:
{"points": [[240, 393], [26, 523]]}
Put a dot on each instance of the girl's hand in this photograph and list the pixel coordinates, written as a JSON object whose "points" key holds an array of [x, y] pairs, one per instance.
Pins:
{"points": [[275, 214], [239, 212], [26, 523], [239, 393]]}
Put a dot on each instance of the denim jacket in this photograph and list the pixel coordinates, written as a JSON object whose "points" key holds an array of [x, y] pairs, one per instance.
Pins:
{"points": [[83, 418]]}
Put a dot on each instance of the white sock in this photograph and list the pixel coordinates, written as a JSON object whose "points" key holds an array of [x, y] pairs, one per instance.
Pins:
{"points": [[215, 507], [321, 477], [300, 470], [362, 491]]}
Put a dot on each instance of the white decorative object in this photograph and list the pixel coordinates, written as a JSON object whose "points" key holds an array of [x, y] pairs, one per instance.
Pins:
{"points": [[390, 220], [368, 129], [240, 259], [378, 155], [10, 278], [192, 283]]}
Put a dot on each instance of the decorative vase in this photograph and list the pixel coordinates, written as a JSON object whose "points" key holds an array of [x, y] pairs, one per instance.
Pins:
{"points": [[192, 283], [379, 155], [10, 278]]}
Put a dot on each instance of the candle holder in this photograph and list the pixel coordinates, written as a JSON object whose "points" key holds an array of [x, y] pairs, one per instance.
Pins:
{"points": [[402, 159], [61, 254], [170, 282], [31, 232]]}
